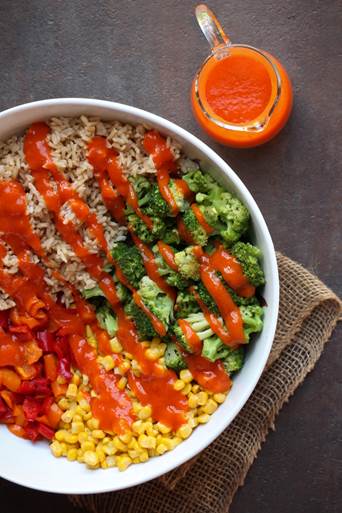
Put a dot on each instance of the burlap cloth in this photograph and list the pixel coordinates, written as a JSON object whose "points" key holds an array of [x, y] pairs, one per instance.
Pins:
{"points": [[308, 313]]}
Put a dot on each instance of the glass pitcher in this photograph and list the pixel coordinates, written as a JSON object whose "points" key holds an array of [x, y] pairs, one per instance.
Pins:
{"points": [[241, 96]]}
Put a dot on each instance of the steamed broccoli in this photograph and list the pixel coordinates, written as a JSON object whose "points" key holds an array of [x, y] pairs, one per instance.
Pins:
{"points": [[252, 317], [94, 292], [157, 206], [107, 319], [172, 277], [213, 349], [142, 322], [130, 262], [178, 196], [199, 324], [185, 304], [142, 187], [234, 360], [248, 256], [239, 300], [138, 226], [198, 233], [187, 263], [97, 296], [171, 234], [159, 303], [173, 358], [198, 181]]}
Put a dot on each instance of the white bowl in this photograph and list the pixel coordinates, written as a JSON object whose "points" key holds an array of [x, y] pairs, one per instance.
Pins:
{"points": [[33, 465]]}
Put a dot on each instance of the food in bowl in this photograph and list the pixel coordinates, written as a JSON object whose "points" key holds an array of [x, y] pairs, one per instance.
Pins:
{"points": [[129, 290]]}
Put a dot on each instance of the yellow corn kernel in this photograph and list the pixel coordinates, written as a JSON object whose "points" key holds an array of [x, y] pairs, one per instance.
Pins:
{"points": [[185, 375], [110, 449], [98, 433], [85, 379], [147, 442], [64, 404], [100, 454], [76, 380], [110, 460], [195, 388], [64, 448], [122, 383], [161, 448], [107, 362], [184, 431], [91, 458], [84, 405], [193, 422], [124, 367], [138, 427], [115, 345], [82, 436], [77, 427], [210, 406], [143, 456], [71, 439], [60, 435], [203, 419], [106, 440], [187, 389], [122, 462], [120, 446], [162, 428], [93, 423], [104, 464], [56, 449], [67, 416], [126, 438], [128, 355], [88, 446], [72, 454], [78, 415], [133, 444], [152, 354], [192, 401], [150, 430], [219, 398], [133, 453], [171, 443], [145, 412], [202, 398], [179, 384], [87, 416]]}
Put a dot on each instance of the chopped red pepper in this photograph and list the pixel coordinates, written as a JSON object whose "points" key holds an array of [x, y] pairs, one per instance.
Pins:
{"points": [[46, 431], [32, 408], [46, 341], [63, 369], [38, 386], [31, 431]]}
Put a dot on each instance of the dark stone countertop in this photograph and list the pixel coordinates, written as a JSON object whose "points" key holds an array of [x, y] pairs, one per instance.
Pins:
{"points": [[145, 53]]}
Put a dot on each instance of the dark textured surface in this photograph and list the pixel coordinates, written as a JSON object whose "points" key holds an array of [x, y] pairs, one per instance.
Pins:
{"points": [[145, 53]]}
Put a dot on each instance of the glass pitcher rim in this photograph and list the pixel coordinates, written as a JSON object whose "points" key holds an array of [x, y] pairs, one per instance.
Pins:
{"points": [[255, 125]]}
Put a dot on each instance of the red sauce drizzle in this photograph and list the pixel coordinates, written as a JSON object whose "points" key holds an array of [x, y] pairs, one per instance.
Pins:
{"points": [[210, 375], [112, 407], [191, 336], [168, 255], [183, 232], [156, 323], [152, 268], [231, 271], [201, 219]]}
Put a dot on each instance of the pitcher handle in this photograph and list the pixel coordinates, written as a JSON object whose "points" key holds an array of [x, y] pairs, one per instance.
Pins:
{"points": [[219, 41]]}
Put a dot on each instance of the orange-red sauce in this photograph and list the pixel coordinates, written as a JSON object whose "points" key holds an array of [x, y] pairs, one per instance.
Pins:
{"points": [[191, 336], [184, 232], [238, 88], [231, 271], [201, 219], [168, 254], [214, 322], [210, 375], [152, 268]]}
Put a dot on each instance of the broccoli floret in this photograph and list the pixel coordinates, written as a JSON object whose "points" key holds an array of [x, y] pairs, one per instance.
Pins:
{"points": [[178, 196], [144, 233], [207, 299], [185, 305], [159, 303], [199, 324], [172, 277], [142, 187], [234, 360], [224, 212], [198, 181], [171, 234], [252, 317], [187, 263], [248, 256], [157, 206], [213, 349], [97, 296], [130, 262], [94, 292], [198, 233], [142, 322], [107, 319], [239, 300], [173, 358]]}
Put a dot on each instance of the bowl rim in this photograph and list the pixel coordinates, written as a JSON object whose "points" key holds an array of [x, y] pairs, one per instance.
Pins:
{"points": [[170, 127]]}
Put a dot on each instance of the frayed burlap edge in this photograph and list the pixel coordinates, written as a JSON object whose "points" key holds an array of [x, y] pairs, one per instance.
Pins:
{"points": [[308, 313]]}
